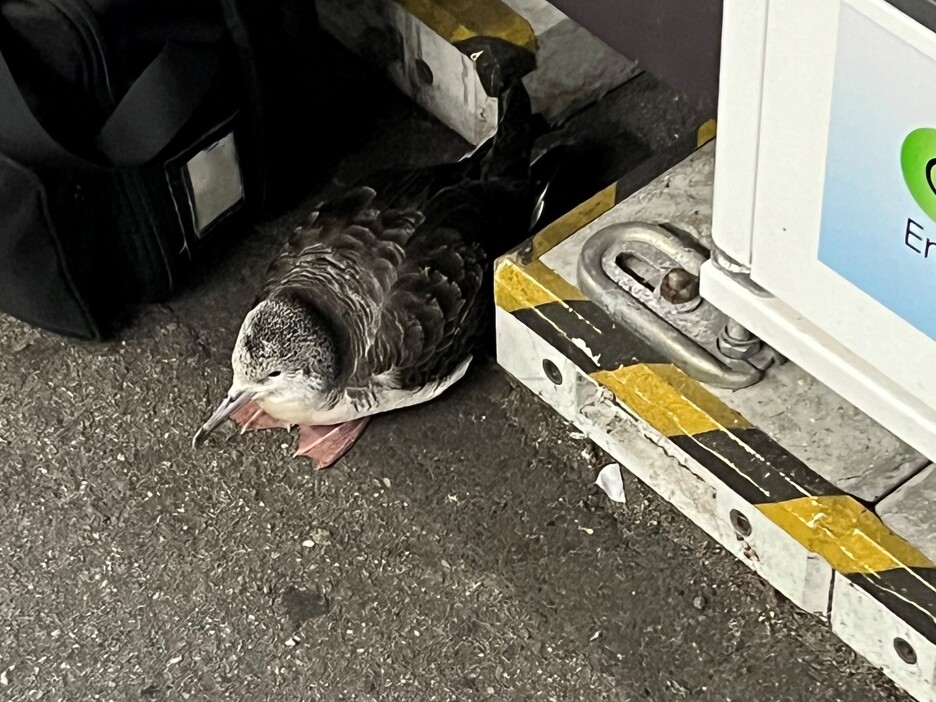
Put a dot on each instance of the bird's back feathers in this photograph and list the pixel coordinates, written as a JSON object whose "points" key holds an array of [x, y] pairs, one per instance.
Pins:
{"points": [[399, 265]]}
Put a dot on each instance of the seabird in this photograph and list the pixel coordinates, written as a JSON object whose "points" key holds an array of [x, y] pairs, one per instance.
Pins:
{"points": [[377, 302]]}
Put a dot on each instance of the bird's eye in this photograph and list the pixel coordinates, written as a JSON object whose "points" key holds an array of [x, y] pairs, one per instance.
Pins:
{"points": [[273, 374]]}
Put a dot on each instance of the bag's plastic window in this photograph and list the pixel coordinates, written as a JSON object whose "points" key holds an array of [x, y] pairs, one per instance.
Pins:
{"points": [[216, 182]]}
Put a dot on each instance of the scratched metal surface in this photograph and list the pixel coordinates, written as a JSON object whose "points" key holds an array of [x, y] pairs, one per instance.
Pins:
{"points": [[815, 424]]}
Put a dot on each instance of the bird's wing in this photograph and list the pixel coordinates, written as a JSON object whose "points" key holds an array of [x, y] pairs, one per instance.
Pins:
{"points": [[345, 263], [429, 319], [402, 288]]}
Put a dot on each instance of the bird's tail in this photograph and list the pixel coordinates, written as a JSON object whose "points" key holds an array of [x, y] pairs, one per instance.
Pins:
{"points": [[501, 67], [508, 157]]}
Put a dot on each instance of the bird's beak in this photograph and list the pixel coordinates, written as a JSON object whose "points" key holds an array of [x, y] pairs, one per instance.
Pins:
{"points": [[234, 401]]}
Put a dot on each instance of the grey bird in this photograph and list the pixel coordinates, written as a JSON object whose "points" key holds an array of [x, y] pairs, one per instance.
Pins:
{"points": [[378, 301]]}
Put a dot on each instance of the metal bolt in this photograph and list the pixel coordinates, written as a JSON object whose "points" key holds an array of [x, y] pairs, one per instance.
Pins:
{"points": [[679, 286], [905, 651], [552, 372], [734, 341], [736, 332], [740, 523]]}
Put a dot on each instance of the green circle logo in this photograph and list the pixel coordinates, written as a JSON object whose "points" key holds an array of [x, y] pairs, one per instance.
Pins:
{"points": [[918, 163]]}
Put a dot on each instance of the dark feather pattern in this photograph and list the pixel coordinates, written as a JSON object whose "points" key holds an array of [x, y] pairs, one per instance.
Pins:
{"points": [[399, 267]]}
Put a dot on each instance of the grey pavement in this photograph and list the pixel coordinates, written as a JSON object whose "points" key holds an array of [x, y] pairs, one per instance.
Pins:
{"points": [[459, 552]]}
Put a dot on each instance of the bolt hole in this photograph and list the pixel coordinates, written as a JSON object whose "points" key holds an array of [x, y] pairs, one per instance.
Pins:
{"points": [[423, 72], [552, 372], [905, 651], [740, 523]]}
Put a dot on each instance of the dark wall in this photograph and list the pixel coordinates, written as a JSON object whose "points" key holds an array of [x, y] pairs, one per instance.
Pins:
{"points": [[677, 40]]}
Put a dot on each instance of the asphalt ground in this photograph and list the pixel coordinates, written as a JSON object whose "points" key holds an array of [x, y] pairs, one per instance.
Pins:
{"points": [[459, 552]]}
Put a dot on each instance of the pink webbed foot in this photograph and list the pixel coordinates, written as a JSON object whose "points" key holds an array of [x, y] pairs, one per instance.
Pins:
{"points": [[251, 418], [325, 445]]}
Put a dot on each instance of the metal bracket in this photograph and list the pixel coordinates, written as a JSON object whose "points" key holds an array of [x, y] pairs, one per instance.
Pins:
{"points": [[646, 278]]}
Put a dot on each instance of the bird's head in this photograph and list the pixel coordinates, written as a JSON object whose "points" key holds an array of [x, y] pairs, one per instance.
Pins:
{"points": [[285, 353]]}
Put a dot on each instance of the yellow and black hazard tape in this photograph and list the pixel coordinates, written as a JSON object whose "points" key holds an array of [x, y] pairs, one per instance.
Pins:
{"points": [[458, 20], [555, 233], [810, 509]]}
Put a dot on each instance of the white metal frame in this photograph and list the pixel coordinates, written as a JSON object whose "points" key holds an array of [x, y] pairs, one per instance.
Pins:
{"points": [[770, 172]]}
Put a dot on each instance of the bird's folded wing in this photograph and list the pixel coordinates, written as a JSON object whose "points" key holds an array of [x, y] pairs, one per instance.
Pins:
{"points": [[428, 319], [345, 263]]}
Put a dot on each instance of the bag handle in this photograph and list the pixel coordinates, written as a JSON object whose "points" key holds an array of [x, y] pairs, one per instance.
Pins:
{"points": [[22, 137], [156, 107], [159, 103]]}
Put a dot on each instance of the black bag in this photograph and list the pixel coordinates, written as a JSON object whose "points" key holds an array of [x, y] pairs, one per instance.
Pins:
{"points": [[133, 132]]}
